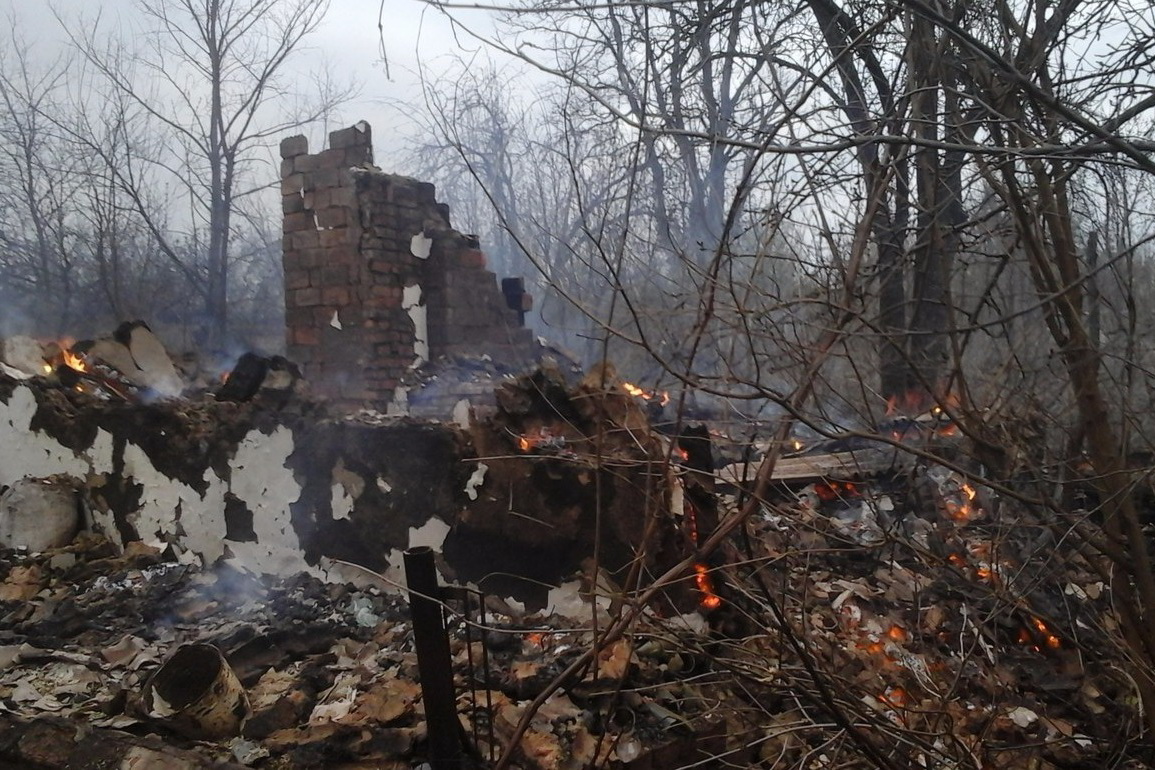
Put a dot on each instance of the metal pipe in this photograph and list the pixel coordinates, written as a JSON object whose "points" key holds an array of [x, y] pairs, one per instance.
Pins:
{"points": [[433, 659]]}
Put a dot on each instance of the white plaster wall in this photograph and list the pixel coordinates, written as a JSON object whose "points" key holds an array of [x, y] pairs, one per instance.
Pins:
{"points": [[411, 302], [260, 478]]}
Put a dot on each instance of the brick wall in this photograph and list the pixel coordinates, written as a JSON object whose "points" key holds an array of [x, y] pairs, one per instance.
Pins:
{"points": [[376, 279]]}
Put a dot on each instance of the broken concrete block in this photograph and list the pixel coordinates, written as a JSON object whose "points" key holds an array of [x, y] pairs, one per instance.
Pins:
{"points": [[39, 514], [24, 354]]}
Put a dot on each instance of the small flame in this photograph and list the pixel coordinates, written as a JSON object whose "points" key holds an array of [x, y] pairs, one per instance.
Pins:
{"points": [[73, 361], [537, 439], [709, 600], [661, 396], [1052, 641], [47, 368], [897, 633], [956, 559], [682, 454], [966, 510]]}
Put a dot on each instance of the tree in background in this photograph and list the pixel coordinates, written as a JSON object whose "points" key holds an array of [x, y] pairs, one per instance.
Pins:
{"points": [[959, 195], [202, 96]]}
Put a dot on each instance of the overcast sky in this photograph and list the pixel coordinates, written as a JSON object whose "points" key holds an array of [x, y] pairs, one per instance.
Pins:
{"points": [[349, 39]]}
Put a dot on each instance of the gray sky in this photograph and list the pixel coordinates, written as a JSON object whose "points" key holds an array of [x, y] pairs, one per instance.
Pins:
{"points": [[349, 40]]}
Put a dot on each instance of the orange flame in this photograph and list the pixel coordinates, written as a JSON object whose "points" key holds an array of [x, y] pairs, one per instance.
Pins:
{"points": [[633, 389], [73, 361], [966, 510], [661, 396], [1052, 641], [709, 600]]}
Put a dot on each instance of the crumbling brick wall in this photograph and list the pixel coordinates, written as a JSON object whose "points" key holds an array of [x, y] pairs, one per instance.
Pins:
{"points": [[376, 279]]}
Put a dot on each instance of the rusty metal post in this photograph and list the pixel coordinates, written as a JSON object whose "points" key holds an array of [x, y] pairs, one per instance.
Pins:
{"points": [[433, 659]]}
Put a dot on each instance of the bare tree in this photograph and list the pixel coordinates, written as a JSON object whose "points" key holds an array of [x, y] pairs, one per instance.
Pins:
{"points": [[950, 179], [207, 91], [38, 196]]}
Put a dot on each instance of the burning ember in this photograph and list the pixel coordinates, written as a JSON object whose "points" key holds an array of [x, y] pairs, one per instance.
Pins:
{"points": [[661, 396], [919, 404], [895, 697], [709, 600], [830, 491]]}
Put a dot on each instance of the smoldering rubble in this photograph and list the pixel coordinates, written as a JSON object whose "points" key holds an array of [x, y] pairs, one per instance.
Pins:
{"points": [[868, 613]]}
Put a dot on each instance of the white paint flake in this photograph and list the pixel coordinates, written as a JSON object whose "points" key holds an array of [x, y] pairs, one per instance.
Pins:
{"points": [[420, 246], [411, 302], [475, 481]]}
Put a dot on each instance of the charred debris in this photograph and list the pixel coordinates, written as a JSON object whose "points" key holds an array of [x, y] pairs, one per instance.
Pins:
{"points": [[216, 572]]}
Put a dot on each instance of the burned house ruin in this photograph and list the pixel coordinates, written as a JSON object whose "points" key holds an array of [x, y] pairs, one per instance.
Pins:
{"points": [[379, 291], [376, 279]]}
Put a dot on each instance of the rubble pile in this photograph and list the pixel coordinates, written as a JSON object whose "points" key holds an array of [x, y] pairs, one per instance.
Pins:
{"points": [[941, 621], [570, 472], [878, 609], [329, 669]]}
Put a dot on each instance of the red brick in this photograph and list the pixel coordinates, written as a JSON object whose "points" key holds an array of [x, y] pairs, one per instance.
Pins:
{"points": [[321, 178], [334, 275], [345, 254], [339, 237], [296, 280], [473, 259], [292, 184], [304, 163], [291, 204], [332, 217], [302, 220], [306, 297], [305, 239], [294, 145], [333, 159], [305, 335], [343, 196]]}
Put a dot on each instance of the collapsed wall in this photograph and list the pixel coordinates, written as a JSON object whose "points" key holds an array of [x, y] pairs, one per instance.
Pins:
{"points": [[281, 487], [274, 491], [376, 279]]}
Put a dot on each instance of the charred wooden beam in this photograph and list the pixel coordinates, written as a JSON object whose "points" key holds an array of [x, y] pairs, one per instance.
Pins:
{"points": [[433, 659]]}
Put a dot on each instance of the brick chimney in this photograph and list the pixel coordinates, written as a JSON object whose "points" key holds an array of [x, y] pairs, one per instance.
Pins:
{"points": [[376, 279]]}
